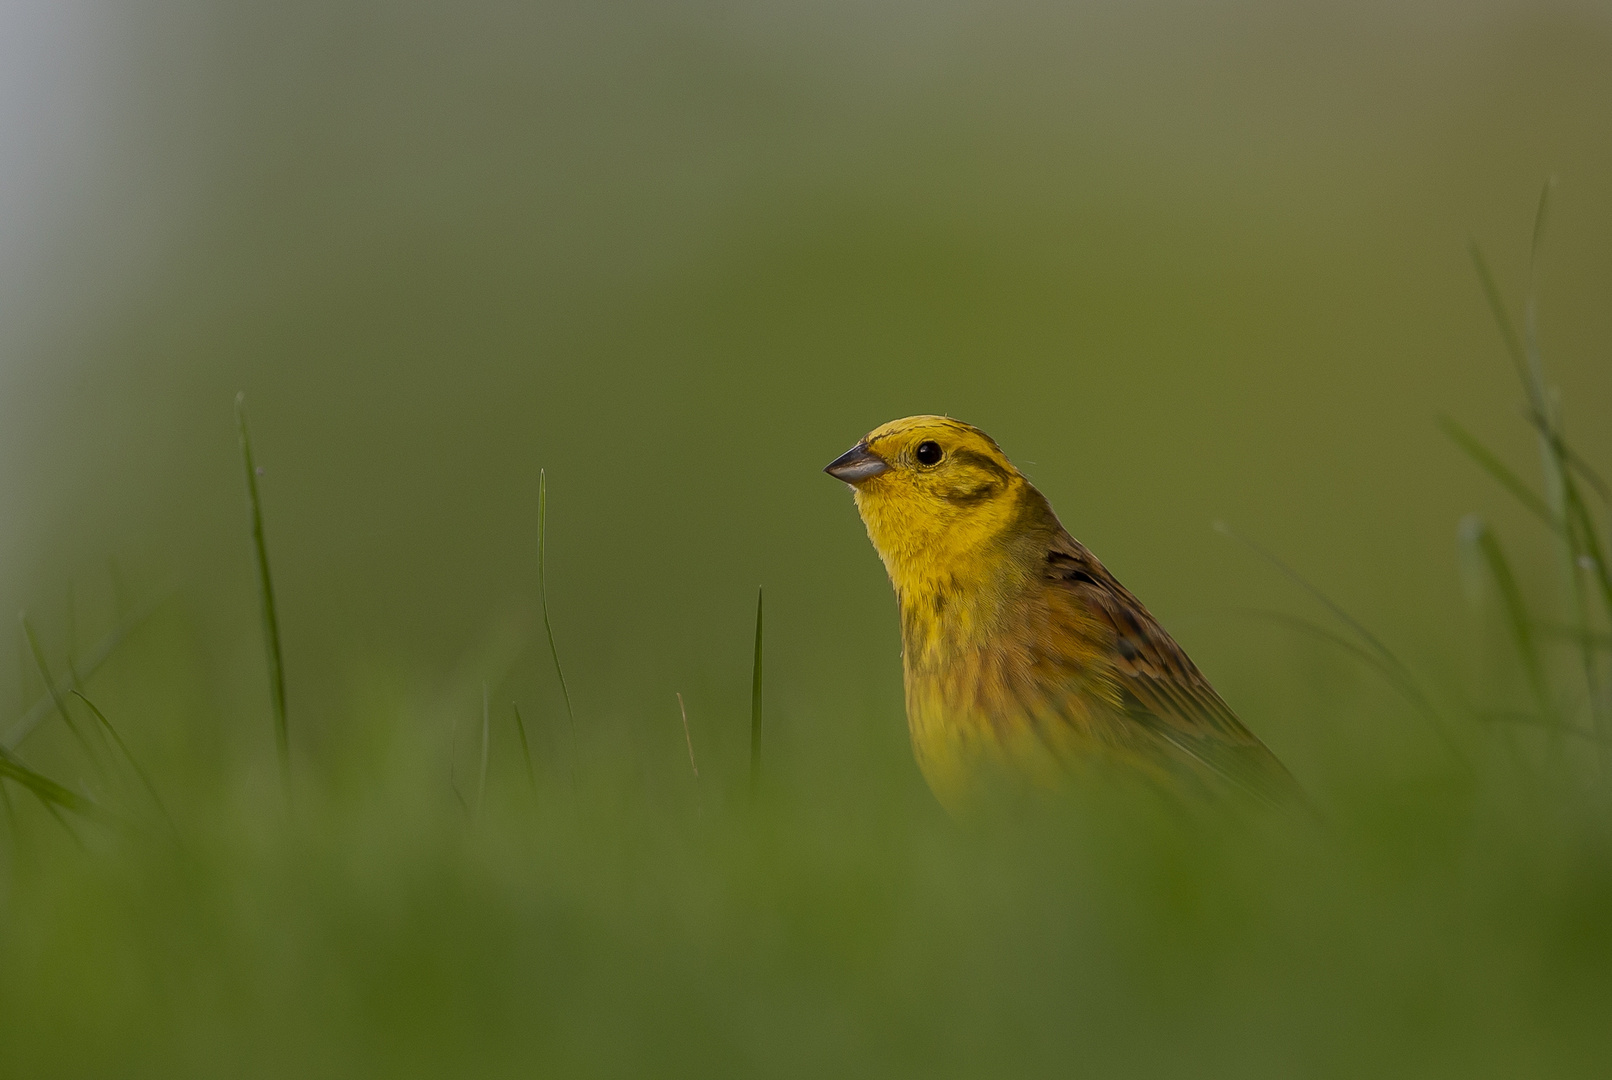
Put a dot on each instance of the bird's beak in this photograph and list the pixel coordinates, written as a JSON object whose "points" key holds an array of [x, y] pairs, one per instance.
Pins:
{"points": [[857, 464]]}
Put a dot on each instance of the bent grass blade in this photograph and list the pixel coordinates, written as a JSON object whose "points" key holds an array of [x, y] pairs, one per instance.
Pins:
{"points": [[1476, 536], [128, 755], [755, 705], [58, 701], [1401, 674]]}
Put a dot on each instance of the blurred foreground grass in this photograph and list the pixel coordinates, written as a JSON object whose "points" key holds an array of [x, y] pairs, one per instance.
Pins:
{"points": [[1451, 924], [425, 903]]}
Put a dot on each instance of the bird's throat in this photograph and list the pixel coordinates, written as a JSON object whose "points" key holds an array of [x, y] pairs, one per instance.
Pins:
{"points": [[955, 574], [953, 607]]}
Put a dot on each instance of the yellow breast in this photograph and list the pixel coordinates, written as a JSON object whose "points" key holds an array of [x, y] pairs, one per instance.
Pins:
{"points": [[1001, 683]]}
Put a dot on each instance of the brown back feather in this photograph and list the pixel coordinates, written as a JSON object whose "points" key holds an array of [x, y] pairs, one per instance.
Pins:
{"points": [[1161, 689]]}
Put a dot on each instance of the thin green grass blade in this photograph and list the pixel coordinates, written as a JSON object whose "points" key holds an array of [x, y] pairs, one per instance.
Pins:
{"points": [[1304, 583], [48, 791], [687, 737], [543, 596], [526, 749], [755, 704], [128, 755], [1592, 556], [453, 769], [1581, 550], [1582, 547], [1480, 538], [1403, 677], [1536, 367], [1321, 633], [1541, 215], [102, 652], [12, 825], [1508, 333], [1585, 555], [58, 700], [1572, 457], [271, 622], [67, 827], [1497, 469]]}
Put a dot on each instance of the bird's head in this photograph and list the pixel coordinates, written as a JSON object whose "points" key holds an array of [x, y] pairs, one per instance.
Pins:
{"points": [[936, 495]]}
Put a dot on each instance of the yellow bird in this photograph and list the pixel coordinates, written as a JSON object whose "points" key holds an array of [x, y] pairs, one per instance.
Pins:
{"points": [[1022, 655]]}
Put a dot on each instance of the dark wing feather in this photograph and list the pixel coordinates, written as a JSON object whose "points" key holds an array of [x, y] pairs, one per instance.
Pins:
{"points": [[1161, 689]]}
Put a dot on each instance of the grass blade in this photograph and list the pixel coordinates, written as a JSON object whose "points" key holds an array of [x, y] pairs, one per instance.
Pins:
{"points": [[1584, 555], [543, 595], [128, 756], [1571, 519], [755, 705], [1476, 535], [687, 737], [46, 790], [1497, 469], [1581, 548], [1508, 334], [1570, 456], [271, 623], [11, 820], [1402, 675], [453, 769], [98, 656], [526, 749], [1587, 544], [1536, 368], [1590, 555], [58, 700], [1371, 660], [1532, 305], [1541, 214]]}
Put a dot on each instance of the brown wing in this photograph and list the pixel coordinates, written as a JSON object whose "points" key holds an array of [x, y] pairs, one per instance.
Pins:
{"points": [[1161, 689]]}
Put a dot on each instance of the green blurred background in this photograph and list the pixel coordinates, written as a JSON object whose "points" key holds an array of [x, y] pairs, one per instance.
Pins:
{"points": [[1186, 263]]}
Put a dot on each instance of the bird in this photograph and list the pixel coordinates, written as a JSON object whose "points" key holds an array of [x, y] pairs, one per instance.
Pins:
{"points": [[1024, 659]]}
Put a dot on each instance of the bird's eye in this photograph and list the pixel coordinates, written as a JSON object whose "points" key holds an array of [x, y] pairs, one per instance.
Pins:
{"points": [[928, 453]]}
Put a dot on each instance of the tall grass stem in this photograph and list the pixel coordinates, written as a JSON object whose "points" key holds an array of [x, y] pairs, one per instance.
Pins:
{"points": [[526, 749], [755, 704], [1476, 534], [271, 622]]}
